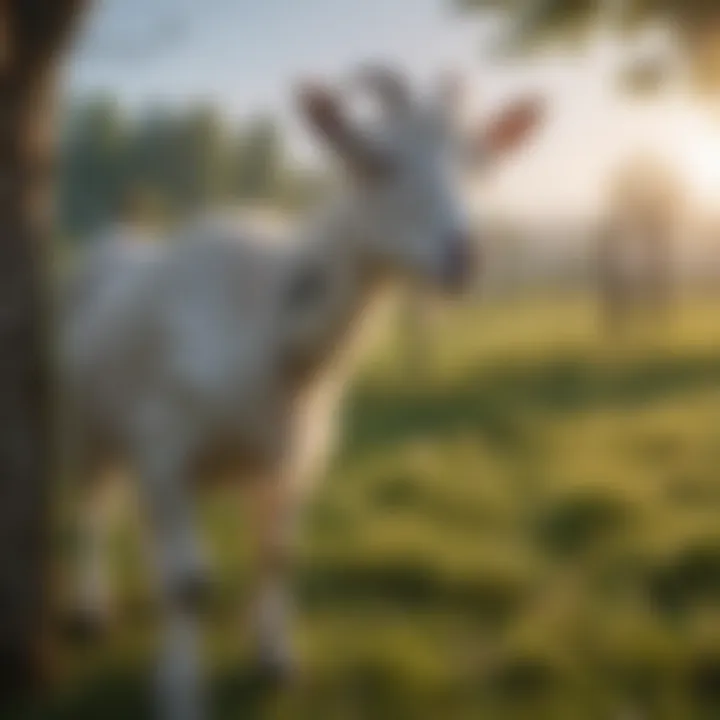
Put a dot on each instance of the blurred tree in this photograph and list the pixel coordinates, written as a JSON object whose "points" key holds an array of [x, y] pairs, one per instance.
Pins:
{"points": [[151, 161], [550, 15], [696, 24], [198, 154], [33, 34], [256, 162], [93, 172], [167, 163]]}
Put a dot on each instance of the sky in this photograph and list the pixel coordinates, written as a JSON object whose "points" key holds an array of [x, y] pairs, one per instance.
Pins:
{"points": [[246, 52], [245, 55]]}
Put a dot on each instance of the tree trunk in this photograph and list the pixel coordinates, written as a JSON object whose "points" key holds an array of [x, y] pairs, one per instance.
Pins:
{"points": [[32, 33]]}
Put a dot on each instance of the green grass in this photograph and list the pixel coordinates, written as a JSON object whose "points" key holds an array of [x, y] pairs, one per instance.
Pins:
{"points": [[531, 530]]}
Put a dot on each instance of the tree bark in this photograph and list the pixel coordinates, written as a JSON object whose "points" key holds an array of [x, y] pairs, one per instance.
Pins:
{"points": [[32, 34]]}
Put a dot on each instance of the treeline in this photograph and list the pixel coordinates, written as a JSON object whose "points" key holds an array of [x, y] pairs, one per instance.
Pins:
{"points": [[165, 164]]}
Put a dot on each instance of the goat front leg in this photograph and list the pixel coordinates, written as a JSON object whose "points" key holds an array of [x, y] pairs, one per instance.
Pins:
{"points": [[274, 519], [183, 581]]}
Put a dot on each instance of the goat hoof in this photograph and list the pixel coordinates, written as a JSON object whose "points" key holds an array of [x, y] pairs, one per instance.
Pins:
{"points": [[86, 628]]}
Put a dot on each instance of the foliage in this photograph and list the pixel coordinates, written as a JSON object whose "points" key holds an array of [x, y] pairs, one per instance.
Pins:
{"points": [[167, 164], [551, 14], [695, 24]]}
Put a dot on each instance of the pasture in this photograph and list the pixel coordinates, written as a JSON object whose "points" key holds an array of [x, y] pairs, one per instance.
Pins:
{"points": [[531, 530]]}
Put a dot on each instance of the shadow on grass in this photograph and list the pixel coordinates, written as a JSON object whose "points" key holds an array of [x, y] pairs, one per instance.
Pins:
{"points": [[497, 403], [121, 695], [113, 695]]}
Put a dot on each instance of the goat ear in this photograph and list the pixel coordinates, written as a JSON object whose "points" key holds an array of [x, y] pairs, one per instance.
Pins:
{"points": [[511, 127], [322, 108]]}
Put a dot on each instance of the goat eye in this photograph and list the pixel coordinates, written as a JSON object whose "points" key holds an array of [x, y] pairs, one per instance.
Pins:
{"points": [[306, 287]]}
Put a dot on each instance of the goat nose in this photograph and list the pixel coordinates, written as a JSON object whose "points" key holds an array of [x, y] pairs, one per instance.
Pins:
{"points": [[462, 259]]}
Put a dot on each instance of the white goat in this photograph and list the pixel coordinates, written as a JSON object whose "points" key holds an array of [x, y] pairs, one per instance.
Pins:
{"points": [[213, 354]]}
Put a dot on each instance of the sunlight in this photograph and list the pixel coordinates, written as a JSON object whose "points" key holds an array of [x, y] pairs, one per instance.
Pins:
{"points": [[696, 150]]}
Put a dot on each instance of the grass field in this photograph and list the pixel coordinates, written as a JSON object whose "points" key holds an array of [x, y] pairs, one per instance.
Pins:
{"points": [[531, 531]]}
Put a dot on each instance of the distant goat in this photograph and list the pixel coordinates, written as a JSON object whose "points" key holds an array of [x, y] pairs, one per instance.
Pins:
{"points": [[212, 354]]}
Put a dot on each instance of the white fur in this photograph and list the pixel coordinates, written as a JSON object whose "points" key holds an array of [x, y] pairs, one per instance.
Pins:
{"points": [[191, 358]]}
